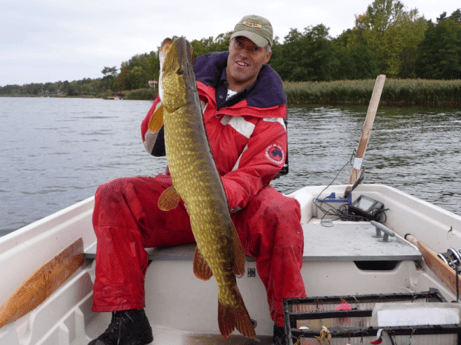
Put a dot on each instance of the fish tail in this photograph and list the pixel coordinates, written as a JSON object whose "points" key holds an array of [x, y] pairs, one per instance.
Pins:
{"points": [[230, 318]]}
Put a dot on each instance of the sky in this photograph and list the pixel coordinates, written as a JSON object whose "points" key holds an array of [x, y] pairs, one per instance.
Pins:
{"points": [[56, 40]]}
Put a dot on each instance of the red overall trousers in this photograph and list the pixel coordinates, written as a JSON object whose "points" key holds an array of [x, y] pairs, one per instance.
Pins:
{"points": [[126, 220]]}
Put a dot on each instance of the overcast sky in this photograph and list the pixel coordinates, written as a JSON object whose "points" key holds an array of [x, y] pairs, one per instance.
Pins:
{"points": [[51, 40]]}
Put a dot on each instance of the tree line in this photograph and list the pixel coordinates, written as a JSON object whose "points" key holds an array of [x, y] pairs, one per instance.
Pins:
{"points": [[386, 39]]}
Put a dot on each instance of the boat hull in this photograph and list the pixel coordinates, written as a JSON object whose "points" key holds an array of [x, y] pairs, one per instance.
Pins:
{"points": [[175, 298]]}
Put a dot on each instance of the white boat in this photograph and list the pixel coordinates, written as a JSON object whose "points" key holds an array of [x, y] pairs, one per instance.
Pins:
{"points": [[340, 258]]}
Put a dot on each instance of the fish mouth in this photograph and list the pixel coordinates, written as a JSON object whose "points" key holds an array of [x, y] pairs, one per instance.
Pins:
{"points": [[178, 55], [167, 42]]}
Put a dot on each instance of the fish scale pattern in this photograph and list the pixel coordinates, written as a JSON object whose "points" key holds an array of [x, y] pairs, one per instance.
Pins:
{"points": [[195, 176]]}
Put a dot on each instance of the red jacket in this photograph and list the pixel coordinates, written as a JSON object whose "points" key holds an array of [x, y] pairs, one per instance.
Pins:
{"points": [[248, 139]]}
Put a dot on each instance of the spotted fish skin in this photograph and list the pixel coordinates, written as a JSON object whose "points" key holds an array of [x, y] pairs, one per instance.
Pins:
{"points": [[197, 181]]}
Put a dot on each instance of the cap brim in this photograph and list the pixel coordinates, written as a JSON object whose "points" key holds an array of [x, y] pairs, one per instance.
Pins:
{"points": [[258, 40]]}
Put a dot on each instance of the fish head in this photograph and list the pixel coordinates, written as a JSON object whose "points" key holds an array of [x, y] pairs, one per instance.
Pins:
{"points": [[177, 75]]}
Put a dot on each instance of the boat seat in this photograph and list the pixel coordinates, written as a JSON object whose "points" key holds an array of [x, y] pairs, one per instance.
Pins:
{"points": [[353, 241], [181, 253], [343, 241], [184, 252]]}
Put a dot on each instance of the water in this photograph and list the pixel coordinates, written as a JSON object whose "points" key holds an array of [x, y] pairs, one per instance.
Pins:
{"points": [[414, 149], [55, 152]]}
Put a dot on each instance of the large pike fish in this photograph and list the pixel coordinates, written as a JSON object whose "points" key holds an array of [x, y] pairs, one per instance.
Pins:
{"points": [[196, 180]]}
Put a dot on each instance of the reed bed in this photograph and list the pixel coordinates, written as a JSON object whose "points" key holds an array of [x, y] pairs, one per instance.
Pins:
{"points": [[395, 92]]}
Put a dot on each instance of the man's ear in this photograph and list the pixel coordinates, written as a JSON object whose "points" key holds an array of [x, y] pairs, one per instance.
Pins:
{"points": [[268, 56]]}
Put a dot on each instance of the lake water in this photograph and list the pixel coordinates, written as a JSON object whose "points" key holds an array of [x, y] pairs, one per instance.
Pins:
{"points": [[55, 152]]}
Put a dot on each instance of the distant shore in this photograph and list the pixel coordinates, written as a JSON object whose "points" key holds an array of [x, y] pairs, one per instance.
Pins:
{"points": [[400, 92]]}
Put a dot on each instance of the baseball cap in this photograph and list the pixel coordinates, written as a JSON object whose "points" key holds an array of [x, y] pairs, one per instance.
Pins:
{"points": [[255, 28]]}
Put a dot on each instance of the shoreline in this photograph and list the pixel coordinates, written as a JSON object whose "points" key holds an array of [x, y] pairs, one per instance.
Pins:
{"points": [[396, 92]]}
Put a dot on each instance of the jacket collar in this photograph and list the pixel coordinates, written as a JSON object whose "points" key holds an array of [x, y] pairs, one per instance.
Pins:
{"points": [[266, 92]]}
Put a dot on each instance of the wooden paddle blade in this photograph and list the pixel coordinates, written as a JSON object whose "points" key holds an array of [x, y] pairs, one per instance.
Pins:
{"points": [[443, 271], [367, 127], [42, 283]]}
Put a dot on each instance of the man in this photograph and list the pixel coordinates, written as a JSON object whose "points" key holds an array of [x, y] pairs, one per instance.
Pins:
{"points": [[244, 106]]}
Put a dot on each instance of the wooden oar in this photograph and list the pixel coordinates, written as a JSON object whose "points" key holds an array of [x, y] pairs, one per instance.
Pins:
{"points": [[367, 126], [445, 273], [42, 283]]}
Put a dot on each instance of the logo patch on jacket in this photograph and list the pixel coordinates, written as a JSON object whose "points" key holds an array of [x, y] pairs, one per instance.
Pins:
{"points": [[275, 154]]}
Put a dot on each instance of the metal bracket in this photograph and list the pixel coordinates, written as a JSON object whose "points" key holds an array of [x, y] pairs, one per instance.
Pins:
{"points": [[387, 232]]}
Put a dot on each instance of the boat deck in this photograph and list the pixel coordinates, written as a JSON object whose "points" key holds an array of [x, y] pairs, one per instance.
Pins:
{"points": [[353, 241], [336, 241]]}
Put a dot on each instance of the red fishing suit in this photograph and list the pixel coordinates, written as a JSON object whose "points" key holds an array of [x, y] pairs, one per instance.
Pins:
{"points": [[248, 140]]}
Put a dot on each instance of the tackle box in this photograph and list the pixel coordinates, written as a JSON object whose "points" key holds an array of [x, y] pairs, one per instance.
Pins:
{"points": [[354, 319]]}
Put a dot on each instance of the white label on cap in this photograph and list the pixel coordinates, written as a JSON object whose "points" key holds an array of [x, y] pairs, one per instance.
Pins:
{"points": [[358, 163]]}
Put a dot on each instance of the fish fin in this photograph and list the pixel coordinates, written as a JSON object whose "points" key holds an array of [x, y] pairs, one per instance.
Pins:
{"points": [[156, 120], [225, 320], [239, 254], [169, 199], [230, 318], [201, 268]]}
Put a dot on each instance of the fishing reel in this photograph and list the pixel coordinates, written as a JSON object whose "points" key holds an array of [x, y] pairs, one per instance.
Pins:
{"points": [[451, 257]]}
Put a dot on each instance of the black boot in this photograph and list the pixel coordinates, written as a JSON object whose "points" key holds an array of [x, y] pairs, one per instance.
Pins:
{"points": [[280, 337], [128, 327]]}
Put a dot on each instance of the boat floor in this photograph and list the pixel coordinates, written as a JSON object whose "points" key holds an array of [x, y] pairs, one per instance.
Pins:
{"points": [[163, 335]]}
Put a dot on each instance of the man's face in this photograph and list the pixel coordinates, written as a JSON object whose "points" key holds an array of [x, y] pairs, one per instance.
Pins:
{"points": [[244, 62]]}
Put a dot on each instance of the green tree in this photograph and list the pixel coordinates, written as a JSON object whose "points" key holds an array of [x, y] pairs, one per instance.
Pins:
{"points": [[393, 34], [455, 16], [138, 78], [211, 45], [87, 89], [110, 73], [221, 42], [400, 42], [153, 66], [306, 56], [439, 54], [64, 86], [203, 46], [354, 56], [134, 73], [120, 82], [71, 89], [381, 14], [284, 59], [50, 87]]}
